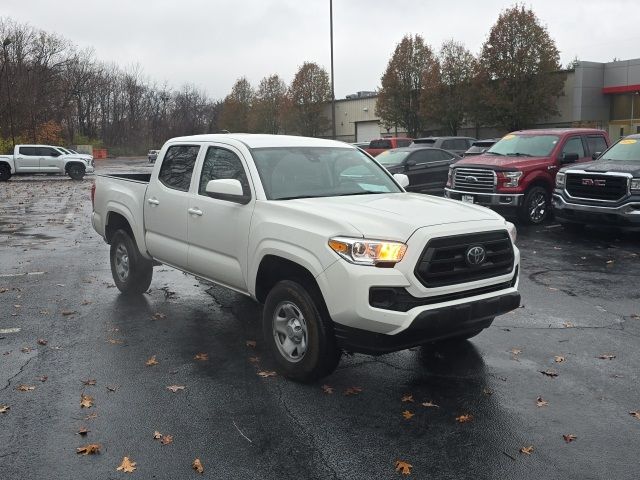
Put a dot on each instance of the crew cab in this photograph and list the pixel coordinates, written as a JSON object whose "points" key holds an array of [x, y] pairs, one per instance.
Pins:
{"points": [[603, 192], [30, 159], [340, 256], [379, 145], [517, 174]]}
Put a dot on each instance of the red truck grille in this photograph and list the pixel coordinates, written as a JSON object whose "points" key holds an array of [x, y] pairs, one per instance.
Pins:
{"points": [[474, 179]]}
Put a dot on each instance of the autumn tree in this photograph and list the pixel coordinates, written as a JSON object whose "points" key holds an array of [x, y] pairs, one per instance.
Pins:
{"points": [[400, 93], [310, 90], [268, 106], [236, 106], [446, 93], [520, 70]]}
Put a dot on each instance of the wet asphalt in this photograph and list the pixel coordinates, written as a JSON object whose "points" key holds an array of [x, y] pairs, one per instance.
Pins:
{"points": [[581, 300]]}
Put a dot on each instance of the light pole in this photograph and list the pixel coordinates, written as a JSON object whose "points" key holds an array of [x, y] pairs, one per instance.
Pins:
{"points": [[333, 93], [5, 43]]}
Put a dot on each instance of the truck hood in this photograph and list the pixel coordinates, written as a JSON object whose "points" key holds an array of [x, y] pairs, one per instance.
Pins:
{"points": [[393, 216], [601, 166], [495, 162]]}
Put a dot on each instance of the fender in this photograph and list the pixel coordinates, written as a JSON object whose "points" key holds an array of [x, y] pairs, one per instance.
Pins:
{"points": [[539, 176], [138, 230], [9, 162]]}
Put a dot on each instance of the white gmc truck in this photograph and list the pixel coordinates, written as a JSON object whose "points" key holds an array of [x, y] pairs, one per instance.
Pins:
{"points": [[30, 159], [341, 257]]}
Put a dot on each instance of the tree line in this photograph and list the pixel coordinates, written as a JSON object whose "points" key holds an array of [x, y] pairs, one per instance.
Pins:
{"points": [[53, 92]]}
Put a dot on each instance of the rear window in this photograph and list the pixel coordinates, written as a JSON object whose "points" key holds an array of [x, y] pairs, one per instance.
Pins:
{"points": [[423, 141], [28, 151], [380, 144], [177, 166]]}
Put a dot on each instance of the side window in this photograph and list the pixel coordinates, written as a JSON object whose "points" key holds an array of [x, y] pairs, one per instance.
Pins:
{"points": [[177, 166], [447, 144], [460, 144], [47, 152], [574, 145], [221, 163], [441, 155], [27, 151], [420, 157], [596, 143]]}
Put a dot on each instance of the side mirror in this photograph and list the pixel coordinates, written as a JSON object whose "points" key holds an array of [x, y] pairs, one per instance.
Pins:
{"points": [[402, 179], [228, 189], [596, 155], [569, 157]]}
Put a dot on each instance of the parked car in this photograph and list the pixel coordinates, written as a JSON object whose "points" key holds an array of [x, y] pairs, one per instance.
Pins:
{"points": [[480, 146], [603, 192], [517, 174], [427, 168], [328, 240], [457, 145], [379, 145], [30, 159], [152, 155]]}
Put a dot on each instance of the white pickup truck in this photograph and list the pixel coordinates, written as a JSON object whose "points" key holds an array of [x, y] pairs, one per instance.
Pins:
{"points": [[30, 159], [342, 258]]}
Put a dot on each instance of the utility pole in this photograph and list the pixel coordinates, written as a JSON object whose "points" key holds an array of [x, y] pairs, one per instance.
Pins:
{"points": [[333, 93], [5, 43]]}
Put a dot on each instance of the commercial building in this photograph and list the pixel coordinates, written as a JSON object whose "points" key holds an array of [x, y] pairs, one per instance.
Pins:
{"points": [[599, 95]]}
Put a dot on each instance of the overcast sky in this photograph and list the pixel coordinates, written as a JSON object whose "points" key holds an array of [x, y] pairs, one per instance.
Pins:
{"points": [[212, 43]]}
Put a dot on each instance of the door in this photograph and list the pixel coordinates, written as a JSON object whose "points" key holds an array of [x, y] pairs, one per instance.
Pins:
{"points": [[219, 229], [431, 170], [165, 206], [574, 145], [51, 160], [367, 131], [416, 169], [27, 160]]}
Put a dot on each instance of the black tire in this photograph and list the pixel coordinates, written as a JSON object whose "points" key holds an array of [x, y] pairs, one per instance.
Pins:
{"points": [[321, 355], [135, 278], [532, 212], [5, 173], [76, 171]]}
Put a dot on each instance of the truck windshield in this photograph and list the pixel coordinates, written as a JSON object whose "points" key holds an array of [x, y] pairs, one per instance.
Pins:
{"points": [[306, 172], [525, 145], [626, 150], [392, 157]]}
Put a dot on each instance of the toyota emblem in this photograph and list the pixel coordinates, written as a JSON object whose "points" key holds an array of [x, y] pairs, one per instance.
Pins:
{"points": [[476, 255]]}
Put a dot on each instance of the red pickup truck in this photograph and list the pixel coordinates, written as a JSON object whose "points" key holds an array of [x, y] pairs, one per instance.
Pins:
{"points": [[517, 174], [376, 147]]}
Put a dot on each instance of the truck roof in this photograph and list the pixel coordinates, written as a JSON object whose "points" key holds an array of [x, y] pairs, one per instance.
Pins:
{"points": [[558, 131], [252, 140]]}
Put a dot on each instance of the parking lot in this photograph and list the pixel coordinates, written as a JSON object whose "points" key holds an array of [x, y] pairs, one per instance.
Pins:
{"points": [[559, 374]]}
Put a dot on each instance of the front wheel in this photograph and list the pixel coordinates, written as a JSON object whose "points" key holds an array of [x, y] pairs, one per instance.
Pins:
{"points": [[5, 173], [76, 172], [535, 206], [131, 272], [299, 333]]}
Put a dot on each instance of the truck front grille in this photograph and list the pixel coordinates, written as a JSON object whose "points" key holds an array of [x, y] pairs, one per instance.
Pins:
{"points": [[596, 187], [445, 260], [474, 179]]}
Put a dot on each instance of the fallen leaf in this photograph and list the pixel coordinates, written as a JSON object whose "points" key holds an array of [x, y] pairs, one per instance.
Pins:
{"points": [[466, 418], [403, 467], [429, 405], [166, 439], [157, 435], [606, 356], [83, 431], [515, 351], [175, 388], [251, 343], [407, 398], [541, 402], [127, 465], [25, 388], [197, 465], [91, 416], [254, 359], [158, 316], [353, 391], [527, 450], [89, 382], [151, 362], [609, 262], [25, 349], [42, 341], [111, 388], [265, 373], [559, 359], [407, 414], [487, 391], [4, 408], [201, 357], [327, 389], [66, 313], [85, 302], [635, 413], [90, 449], [569, 437], [86, 401], [549, 373], [568, 325]]}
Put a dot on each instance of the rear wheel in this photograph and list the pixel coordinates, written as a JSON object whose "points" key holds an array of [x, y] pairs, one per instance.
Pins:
{"points": [[299, 333], [131, 272], [5, 173], [535, 206], [76, 171]]}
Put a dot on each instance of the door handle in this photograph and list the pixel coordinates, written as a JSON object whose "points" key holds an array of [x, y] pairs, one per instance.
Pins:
{"points": [[195, 211], [153, 201]]}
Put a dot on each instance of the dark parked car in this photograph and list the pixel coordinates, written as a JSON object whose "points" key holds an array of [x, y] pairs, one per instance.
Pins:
{"points": [[457, 145], [153, 155], [426, 167], [480, 146]]}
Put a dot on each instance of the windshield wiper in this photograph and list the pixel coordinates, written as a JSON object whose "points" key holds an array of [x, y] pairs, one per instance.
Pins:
{"points": [[365, 192], [495, 153], [519, 154], [295, 197]]}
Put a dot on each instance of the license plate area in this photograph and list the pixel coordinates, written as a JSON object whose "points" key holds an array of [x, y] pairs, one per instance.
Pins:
{"points": [[468, 199]]}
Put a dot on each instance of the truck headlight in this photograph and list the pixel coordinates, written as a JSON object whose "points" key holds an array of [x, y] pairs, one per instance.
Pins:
{"points": [[511, 179], [560, 179], [635, 185], [450, 177], [368, 252], [512, 230]]}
